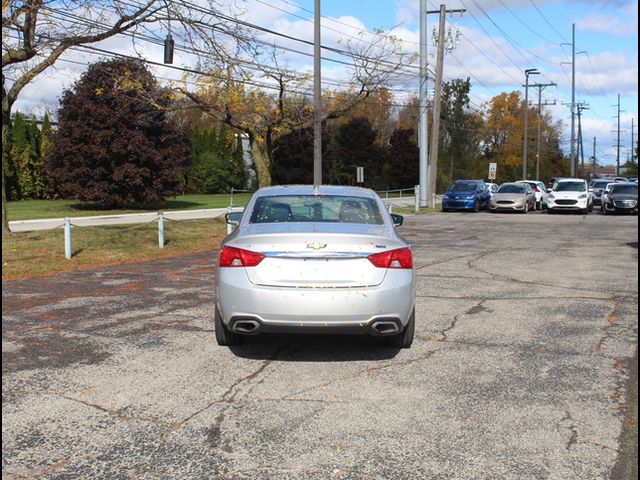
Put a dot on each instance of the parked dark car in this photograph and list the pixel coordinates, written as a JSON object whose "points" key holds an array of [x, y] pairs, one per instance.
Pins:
{"points": [[467, 195], [598, 185], [622, 198]]}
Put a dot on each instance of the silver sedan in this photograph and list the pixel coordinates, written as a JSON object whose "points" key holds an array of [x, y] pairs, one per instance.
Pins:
{"points": [[307, 259], [512, 197]]}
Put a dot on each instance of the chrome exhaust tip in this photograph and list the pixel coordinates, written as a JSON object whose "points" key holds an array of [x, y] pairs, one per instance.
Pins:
{"points": [[245, 326], [385, 327]]}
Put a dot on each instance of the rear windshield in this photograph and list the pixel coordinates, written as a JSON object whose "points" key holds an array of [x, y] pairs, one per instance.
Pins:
{"points": [[570, 187], [312, 208], [601, 184], [624, 189], [511, 188]]}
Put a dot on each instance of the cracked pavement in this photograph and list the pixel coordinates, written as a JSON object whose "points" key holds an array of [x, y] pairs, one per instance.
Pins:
{"points": [[525, 330]]}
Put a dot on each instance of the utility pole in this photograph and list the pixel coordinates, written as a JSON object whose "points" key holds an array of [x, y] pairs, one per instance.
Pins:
{"points": [[573, 100], [437, 98], [423, 132], [540, 87], [618, 142], [632, 155], [527, 72], [572, 163], [581, 107], [317, 98], [594, 157]]}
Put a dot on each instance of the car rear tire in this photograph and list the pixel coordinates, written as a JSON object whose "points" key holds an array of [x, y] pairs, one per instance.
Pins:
{"points": [[224, 336], [476, 206], [404, 339]]}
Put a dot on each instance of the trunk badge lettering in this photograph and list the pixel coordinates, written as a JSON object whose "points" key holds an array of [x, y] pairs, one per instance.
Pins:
{"points": [[316, 245]]}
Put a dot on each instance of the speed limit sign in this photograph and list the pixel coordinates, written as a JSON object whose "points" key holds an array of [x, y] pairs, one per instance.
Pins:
{"points": [[492, 171]]}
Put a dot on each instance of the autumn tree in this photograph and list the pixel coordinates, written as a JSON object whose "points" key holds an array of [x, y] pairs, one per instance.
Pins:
{"points": [[115, 144], [503, 135]]}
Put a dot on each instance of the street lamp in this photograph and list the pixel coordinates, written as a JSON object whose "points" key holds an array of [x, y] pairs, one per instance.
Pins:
{"points": [[527, 72]]}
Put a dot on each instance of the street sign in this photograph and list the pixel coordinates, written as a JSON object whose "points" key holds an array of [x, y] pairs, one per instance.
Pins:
{"points": [[492, 171]]}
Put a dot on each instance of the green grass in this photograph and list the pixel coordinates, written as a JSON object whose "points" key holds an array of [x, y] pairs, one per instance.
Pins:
{"points": [[38, 253], [39, 209]]}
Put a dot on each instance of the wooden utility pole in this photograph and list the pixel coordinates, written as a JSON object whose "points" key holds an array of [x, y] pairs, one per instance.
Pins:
{"points": [[437, 99]]}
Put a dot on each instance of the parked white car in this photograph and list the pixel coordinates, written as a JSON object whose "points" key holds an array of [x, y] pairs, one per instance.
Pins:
{"points": [[572, 195], [541, 192], [493, 188]]}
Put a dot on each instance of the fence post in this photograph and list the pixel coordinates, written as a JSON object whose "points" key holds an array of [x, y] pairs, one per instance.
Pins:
{"points": [[67, 238], [229, 226], [160, 229], [416, 197]]}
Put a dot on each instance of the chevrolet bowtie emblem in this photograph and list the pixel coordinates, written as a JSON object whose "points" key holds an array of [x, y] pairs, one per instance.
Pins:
{"points": [[316, 245]]}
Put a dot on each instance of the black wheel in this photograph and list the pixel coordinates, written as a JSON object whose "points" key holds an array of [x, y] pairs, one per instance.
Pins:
{"points": [[526, 207], [476, 206], [591, 207], [549, 210], [445, 210], [224, 336], [603, 210], [404, 339]]}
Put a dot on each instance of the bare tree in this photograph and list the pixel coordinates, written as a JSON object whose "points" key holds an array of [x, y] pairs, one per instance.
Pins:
{"points": [[264, 99]]}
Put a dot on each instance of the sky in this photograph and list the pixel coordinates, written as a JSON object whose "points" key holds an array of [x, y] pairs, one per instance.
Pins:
{"points": [[497, 40]]}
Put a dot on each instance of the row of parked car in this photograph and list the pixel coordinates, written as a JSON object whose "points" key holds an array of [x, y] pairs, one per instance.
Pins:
{"points": [[562, 194]]}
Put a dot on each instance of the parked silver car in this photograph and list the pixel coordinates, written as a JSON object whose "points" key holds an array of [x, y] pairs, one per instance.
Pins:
{"points": [[518, 197], [307, 259]]}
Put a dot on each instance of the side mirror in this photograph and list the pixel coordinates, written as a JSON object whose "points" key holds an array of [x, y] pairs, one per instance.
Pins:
{"points": [[590, 189], [233, 218], [397, 219]]}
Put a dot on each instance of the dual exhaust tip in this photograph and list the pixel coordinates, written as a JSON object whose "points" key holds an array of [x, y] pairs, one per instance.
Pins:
{"points": [[252, 326]]}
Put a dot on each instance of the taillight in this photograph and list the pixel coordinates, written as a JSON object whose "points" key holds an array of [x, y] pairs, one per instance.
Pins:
{"points": [[237, 257], [400, 258]]}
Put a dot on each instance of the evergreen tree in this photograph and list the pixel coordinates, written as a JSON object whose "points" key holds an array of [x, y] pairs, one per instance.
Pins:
{"points": [[404, 158], [355, 146]]}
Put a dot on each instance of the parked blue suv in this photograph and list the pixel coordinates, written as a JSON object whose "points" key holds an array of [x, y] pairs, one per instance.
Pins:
{"points": [[466, 195]]}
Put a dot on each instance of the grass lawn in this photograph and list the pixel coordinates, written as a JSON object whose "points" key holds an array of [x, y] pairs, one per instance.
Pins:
{"points": [[38, 209], [39, 253]]}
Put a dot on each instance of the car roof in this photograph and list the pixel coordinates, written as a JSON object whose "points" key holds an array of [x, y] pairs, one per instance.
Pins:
{"points": [[562, 180], [319, 190], [624, 183]]}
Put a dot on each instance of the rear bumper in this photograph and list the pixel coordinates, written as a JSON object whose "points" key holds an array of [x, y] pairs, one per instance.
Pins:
{"points": [[314, 310]]}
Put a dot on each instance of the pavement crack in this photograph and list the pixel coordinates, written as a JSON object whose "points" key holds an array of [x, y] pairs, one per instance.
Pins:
{"points": [[612, 318], [119, 413], [215, 431], [573, 429]]}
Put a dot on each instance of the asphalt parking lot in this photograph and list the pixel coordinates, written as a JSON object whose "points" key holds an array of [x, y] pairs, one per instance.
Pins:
{"points": [[526, 331]]}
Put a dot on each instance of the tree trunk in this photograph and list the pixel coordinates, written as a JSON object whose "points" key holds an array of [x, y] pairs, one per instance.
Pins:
{"points": [[6, 122], [261, 159]]}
